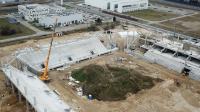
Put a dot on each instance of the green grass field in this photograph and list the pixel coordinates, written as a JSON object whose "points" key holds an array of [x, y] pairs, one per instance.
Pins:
{"points": [[151, 15], [20, 29]]}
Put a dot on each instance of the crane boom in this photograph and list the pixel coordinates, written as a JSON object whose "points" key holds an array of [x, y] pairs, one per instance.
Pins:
{"points": [[45, 76]]}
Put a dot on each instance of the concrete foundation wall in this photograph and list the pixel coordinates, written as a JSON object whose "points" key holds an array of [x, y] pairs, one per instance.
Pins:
{"points": [[172, 63], [168, 62]]}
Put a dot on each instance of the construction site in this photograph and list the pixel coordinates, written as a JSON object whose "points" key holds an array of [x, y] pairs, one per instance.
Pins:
{"points": [[126, 69]]}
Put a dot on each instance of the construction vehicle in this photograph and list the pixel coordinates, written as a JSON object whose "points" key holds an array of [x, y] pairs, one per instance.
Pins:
{"points": [[44, 76]]}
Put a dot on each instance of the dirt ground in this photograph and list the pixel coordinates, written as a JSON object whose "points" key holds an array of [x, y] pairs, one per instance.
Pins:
{"points": [[163, 97], [188, 25], [8, 101]]}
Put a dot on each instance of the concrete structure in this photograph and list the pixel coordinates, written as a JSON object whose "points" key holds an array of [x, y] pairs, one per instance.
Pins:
{"points": [[119, 5], [33, 12], [40, 97], [20, 74], [62, 20], [173, 56], [63, 54]]}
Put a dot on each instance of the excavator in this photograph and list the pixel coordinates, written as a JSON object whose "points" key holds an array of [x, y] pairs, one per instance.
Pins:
{"points": [[44, 76]]}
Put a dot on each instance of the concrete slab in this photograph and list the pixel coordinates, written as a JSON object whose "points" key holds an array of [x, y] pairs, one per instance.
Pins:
{"points": [[35, 91]]}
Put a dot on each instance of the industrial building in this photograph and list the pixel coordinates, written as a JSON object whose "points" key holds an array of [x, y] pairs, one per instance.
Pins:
{"points": [[45, 15], [62, 20], [119, 5], [32, 12]]}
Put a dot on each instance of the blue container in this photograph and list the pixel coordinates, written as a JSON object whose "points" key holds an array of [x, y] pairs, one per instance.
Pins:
{"points": [[90, 97]]}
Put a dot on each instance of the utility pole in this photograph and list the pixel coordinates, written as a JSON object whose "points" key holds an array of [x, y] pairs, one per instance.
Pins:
{"points": [[127, 41], [174, 32], [61, 2]]}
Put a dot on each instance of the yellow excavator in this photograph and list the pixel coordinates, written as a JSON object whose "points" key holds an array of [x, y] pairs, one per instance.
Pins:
{"points": [[44, 76]]}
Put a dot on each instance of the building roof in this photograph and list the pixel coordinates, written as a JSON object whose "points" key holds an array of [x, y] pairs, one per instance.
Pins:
{"points": [[61, 54]]}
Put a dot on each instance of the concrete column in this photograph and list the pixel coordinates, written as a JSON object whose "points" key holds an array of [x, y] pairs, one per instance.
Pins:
{"points": [[27, 106], [175, 54], [17, 63], [45, 110], [7, 81], [13, 88], [19, 96], [162, 50], [61, 2]]}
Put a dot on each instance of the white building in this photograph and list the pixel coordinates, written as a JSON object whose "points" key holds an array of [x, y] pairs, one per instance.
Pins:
{"points": [[62, 20], [46, 15], [119, 5], [33, 12]]}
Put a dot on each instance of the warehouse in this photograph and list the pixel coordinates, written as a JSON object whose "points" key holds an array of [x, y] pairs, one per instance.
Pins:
{"points": [[62, 20], [32, 12], [119, 5]]}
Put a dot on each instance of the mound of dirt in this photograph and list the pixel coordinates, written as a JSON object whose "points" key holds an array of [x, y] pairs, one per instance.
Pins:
{"points": [[111, 83]]}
